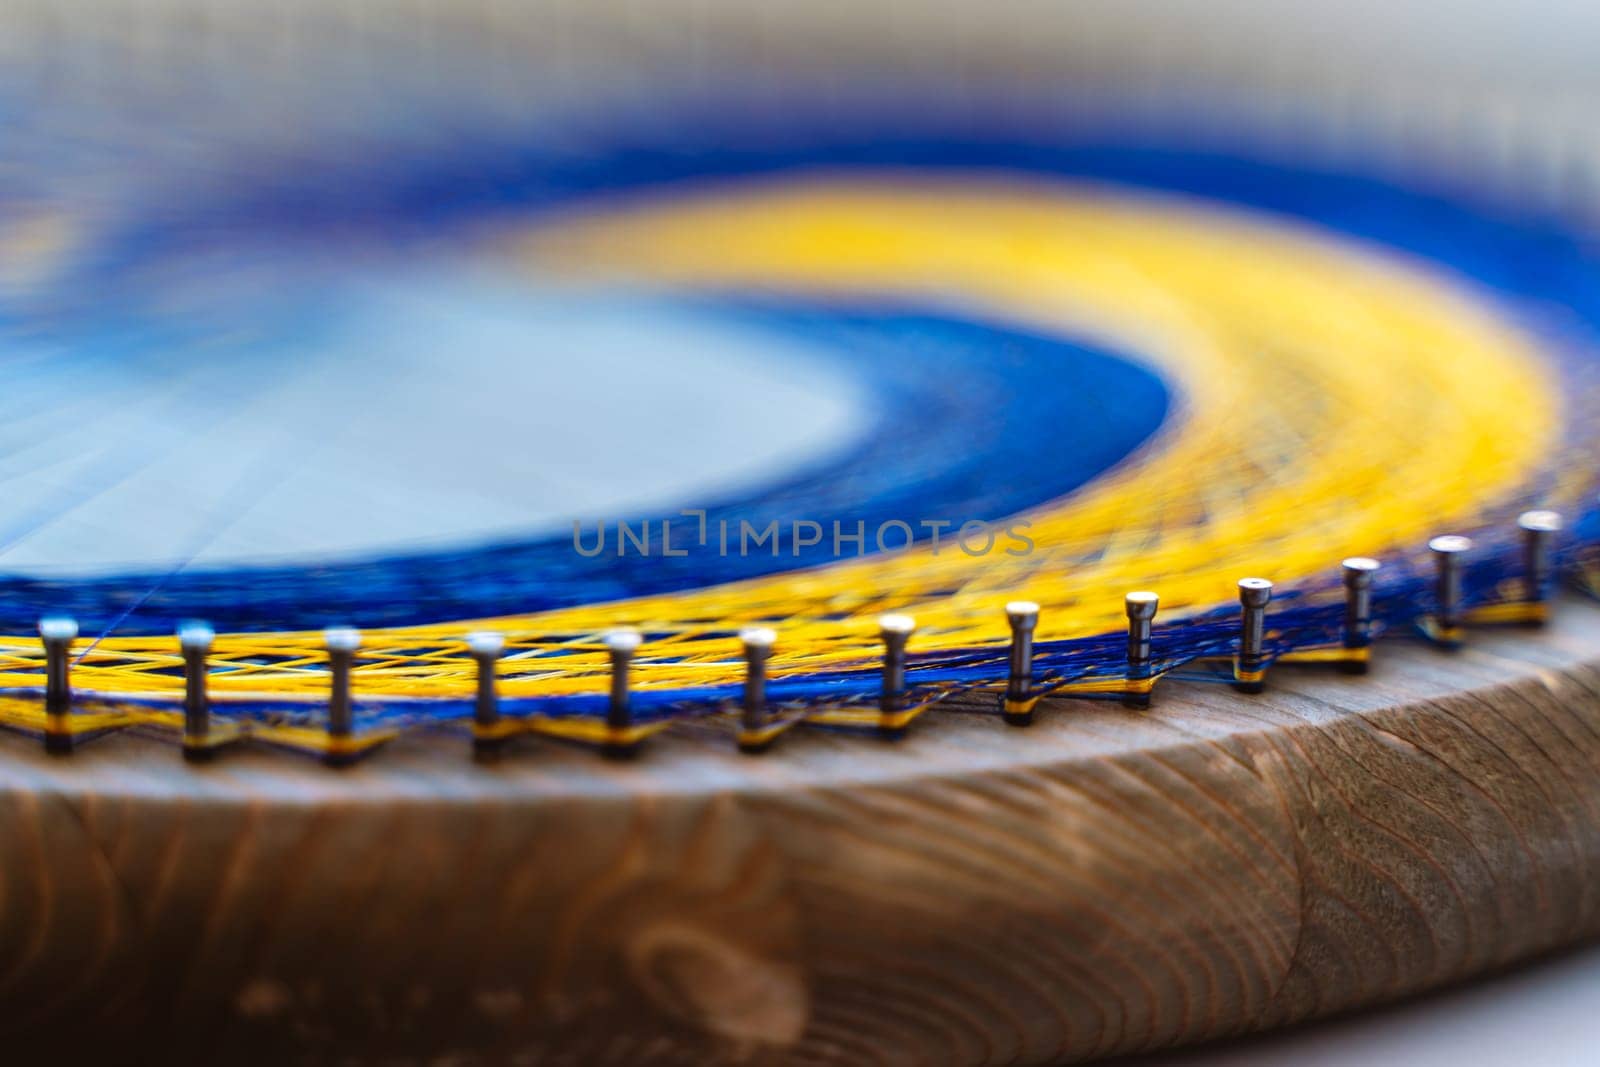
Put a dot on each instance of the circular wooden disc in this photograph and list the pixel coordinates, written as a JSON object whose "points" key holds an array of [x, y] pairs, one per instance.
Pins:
{"points": [[1104, 881]]}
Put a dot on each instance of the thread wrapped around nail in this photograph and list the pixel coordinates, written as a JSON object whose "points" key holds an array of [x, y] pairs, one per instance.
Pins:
{"points": [[757, 642], [194, 641], [1539, 529], [621, 644], [1448, 551], [1254, 596], [341, 643], [1140, 607], [56, 634], [485, 646], [1023, 618], [895, 631], [1153, 478]]}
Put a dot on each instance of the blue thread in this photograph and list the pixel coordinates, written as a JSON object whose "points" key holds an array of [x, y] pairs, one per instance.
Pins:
{"points": [[1006, 421], [1529, 260]]}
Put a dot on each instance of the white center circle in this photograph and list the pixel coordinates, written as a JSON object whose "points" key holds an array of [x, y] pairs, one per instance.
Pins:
{"points": [[434, 412]]}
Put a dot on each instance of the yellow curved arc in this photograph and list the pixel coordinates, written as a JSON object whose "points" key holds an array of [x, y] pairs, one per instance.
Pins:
{"points": [[1332, 400]]}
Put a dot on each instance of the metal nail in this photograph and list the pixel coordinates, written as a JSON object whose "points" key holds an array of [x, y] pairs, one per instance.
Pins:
{"points": [[1448, 551], [57, 632], [341, 643], [1358, 574], [1141, 607], [1023, 617], [1254, 596], [621, 643], [895, 631], [485, 647], [1538, 531], [195, 640], [757, 642]]}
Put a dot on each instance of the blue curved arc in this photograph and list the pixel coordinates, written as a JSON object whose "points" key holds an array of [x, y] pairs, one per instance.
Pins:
{"points": [[973, 423], [1526, 259]]}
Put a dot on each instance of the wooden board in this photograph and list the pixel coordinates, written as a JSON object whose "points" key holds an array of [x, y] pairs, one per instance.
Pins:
{"points": [[1103, 882]]}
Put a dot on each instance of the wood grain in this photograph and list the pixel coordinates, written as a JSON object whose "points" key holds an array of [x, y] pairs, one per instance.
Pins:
{"points": [[1106, 881]]}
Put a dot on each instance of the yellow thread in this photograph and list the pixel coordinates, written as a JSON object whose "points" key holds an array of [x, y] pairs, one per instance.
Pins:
{"points": [[1331, 654], [498, 730], [1465, 416], [84, 722], [764, 734], [1512, 612], [1448, 635], [864, 717], [312, 739], [593, 731], [217, 734], [1131, 686]]}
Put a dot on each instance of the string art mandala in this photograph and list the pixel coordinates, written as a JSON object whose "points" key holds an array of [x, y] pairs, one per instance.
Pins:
{"points": [[578, 432]]}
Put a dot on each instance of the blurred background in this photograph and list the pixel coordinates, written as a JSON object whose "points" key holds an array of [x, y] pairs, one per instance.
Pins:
{"points": [[1471, 80]]}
